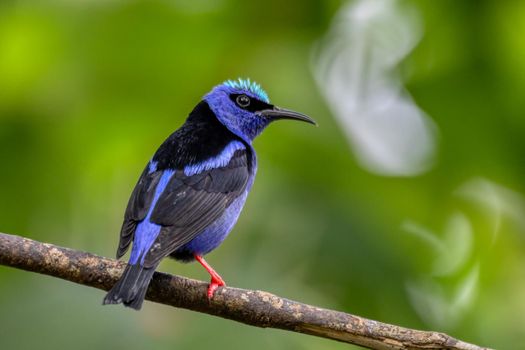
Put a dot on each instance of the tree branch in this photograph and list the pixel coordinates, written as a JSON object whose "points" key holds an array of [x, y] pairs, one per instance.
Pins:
{"points": [[256, 308]]}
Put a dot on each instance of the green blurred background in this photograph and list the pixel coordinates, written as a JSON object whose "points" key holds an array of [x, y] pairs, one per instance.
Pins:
{"points": [[89, 89]]}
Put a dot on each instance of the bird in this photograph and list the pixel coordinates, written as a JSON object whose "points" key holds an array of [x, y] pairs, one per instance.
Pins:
{"points": [[193, 189]]}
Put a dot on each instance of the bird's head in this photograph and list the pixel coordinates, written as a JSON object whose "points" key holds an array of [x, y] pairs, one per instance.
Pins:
{"points": [[245, 109]]}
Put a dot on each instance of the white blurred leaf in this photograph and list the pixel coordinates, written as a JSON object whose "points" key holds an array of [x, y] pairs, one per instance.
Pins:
{"points": [[428, 300], [436, 308], [425, 235], [355, 68], [466, 291], [457, 246], [453, 250], [496, 200]]}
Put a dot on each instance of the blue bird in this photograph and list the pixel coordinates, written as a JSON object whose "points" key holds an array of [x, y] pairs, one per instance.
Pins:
{"points": [[191, 193]]}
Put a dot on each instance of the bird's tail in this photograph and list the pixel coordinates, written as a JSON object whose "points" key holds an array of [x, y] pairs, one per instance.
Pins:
{"points": [[131, 287]]}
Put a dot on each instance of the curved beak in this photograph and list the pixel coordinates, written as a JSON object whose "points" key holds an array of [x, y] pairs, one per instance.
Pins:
{"points": [[281, 113]]}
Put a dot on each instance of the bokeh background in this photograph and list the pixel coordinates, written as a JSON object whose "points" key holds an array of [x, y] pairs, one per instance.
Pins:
{"points": [[406, 205]]}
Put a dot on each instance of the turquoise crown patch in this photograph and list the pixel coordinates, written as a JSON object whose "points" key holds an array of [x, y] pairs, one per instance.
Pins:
{"points": [[252, 86]]}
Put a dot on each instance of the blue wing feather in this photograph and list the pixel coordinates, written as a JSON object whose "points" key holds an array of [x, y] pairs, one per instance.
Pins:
{"points": [[147, 231], [190, 204], [171, 207]]}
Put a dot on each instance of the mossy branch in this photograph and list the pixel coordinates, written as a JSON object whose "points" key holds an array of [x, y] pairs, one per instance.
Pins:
{"points": [[256, 308]]}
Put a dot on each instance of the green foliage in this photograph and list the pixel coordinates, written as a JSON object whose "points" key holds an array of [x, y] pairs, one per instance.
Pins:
{"points": [[89, 89]]}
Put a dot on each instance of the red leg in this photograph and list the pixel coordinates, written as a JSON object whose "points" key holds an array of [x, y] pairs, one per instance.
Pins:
{"points": [[216, 280]]}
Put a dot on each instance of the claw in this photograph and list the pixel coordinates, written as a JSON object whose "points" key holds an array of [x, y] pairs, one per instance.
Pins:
{"points": [[216, 282], [216, 279]]}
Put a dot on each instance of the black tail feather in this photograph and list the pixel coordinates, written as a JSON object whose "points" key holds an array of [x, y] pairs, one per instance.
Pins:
{"points": [[131, 287]]}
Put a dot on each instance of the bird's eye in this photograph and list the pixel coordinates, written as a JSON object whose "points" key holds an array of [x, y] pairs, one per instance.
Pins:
{"points": [[243, 101]]}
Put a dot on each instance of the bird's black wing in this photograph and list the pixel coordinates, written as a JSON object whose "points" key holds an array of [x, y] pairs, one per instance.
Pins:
{"points": [[137, 208], [189, 204]]}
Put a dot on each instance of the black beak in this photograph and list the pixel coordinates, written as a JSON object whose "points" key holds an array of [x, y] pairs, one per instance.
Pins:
{"points": [[280, 113]]}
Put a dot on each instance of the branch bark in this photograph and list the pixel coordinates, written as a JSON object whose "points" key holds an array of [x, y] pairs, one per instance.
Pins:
{"points": [[256, 308]]}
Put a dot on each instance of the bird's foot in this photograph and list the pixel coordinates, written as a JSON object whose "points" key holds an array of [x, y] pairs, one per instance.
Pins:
{"points": [[216, 279], [216, 282]]}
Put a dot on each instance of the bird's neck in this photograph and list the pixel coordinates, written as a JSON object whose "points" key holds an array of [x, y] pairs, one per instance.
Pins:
{"points": [[201, 137]]}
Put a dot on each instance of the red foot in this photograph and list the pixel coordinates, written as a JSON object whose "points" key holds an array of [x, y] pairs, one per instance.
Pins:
{"points": [[216, 280]]}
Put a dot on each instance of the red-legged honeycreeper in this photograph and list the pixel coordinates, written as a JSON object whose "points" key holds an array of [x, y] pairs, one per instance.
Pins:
{"points": [[191, 193]]}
